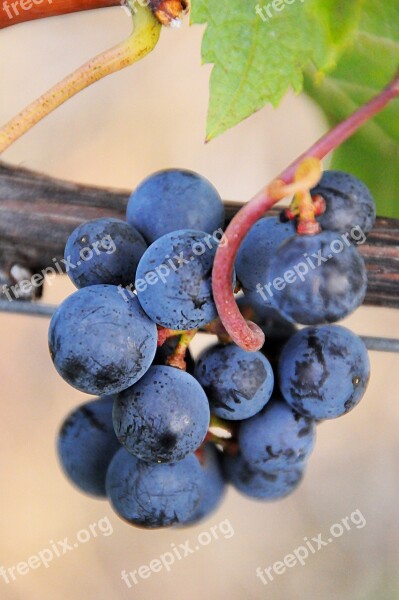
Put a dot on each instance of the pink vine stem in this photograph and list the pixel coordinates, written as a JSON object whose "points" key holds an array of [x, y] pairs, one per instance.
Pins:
{"points": [[244, 333]]}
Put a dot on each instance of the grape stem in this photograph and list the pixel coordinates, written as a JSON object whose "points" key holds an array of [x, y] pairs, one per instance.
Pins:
{"points": [[178, 358], [164, 334], [248, 335], [145, 35]]}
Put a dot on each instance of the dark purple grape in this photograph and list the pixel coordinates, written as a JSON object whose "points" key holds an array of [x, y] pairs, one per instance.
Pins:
{"points": [[349, 203]]}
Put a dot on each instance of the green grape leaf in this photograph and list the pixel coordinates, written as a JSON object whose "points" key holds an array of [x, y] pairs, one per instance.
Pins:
{"points": [[363, 70], [259, 55]]}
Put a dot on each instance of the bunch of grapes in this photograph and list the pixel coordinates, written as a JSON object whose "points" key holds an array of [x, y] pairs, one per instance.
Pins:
{"points": [[167, 433]]}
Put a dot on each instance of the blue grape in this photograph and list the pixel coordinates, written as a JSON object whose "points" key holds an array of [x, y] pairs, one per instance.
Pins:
{"points": [[174, 282], [104, 251], [154, 495], [238, 383], [257, 484], [349, 203], [325, 291], [100, 343], [278, 438], [214, 485], [163, 417], [87, 443], [175, 199], [324, 371], [258, 247]]}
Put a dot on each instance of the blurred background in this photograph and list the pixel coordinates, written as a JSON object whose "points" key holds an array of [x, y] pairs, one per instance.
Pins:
{"points": [[145, 118]]}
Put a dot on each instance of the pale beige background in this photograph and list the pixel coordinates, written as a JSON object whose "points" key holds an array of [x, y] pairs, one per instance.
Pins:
{"points": [[149, 117]]}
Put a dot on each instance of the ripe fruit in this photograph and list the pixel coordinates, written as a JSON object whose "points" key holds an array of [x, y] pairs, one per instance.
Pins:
{"points": [[238, 384], [87, 443], [260, 485], [174, 199], [101, 343], [104, 251], [163, 417], [317, 279], [349, 203], [324, 371], [154, 495], [173, 280], [277, 438], [257, 249]]}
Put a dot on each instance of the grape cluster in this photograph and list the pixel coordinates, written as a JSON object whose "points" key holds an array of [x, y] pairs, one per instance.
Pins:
{"points": [[168, 432]]}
